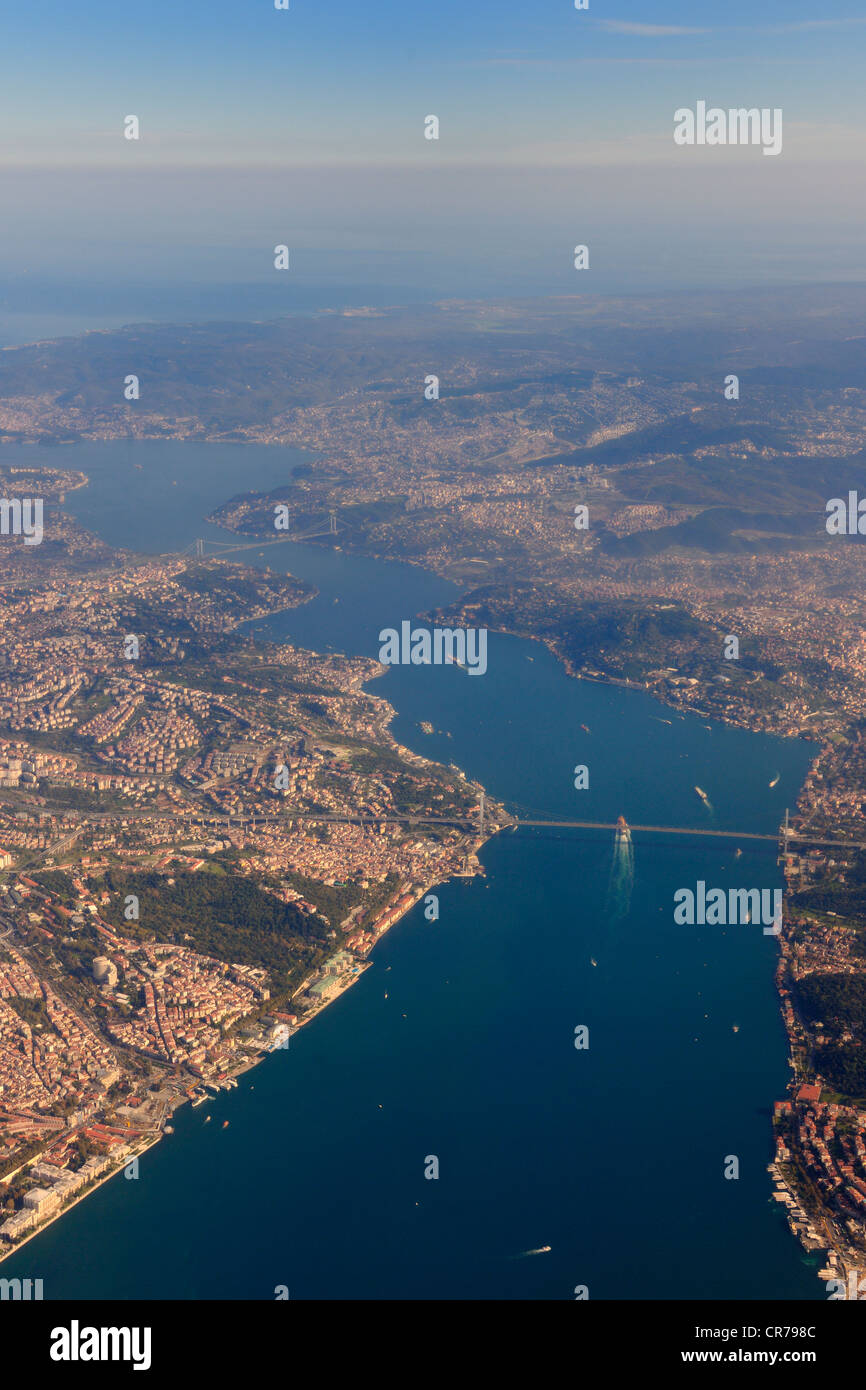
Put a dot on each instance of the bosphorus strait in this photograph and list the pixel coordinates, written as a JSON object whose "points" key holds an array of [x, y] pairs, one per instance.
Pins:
{"points": [[459, 1040]]}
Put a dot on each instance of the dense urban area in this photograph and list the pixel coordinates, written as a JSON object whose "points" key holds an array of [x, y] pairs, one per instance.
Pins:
{"points": [[203, 837]]}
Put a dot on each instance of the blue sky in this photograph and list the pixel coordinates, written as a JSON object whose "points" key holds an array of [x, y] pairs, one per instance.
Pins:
{"points": [[219, 81], [306, 126]]}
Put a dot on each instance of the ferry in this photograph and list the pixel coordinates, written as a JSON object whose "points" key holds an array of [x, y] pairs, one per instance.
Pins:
{"points": [[702, 794], [199, 1100], [622, 828]]}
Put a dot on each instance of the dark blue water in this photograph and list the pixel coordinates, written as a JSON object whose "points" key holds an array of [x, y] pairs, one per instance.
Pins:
{"points": [[613, 1156]]}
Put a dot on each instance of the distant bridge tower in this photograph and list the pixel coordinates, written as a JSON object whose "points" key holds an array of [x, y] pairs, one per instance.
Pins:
{"points": [[333, 515]]}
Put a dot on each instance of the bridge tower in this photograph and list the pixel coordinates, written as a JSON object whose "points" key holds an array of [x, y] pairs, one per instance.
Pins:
{"points": [[199, 549], [333, 515]]}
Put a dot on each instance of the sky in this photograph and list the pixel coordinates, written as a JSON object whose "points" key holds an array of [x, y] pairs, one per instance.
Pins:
{"points": [[305, 127]]}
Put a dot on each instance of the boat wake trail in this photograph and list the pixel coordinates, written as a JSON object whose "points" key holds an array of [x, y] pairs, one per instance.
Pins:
{"points": [[621, 879]]}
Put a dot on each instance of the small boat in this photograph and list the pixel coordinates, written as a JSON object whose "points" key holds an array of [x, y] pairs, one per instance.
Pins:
{"points": [[592, 961], [386, 994], [738, 853], [702, 794], [207, 1119], [585, 729], [736, 1027], [169, 1129], [225, 1124], [775, 779]]}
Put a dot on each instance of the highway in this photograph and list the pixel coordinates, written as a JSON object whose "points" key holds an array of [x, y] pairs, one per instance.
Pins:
{"points": [[461, 822]]}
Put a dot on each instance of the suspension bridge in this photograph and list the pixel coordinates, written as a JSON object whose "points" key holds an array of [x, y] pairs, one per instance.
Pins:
{"points": [[203, 549], [481, 822]]}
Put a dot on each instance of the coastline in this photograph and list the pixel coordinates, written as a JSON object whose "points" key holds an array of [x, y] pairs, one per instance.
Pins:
{"points": [[248, 1064], [81, 1197]]}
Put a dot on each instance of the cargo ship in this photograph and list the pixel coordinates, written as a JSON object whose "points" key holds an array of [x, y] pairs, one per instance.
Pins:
{"points": [[702, 794]]}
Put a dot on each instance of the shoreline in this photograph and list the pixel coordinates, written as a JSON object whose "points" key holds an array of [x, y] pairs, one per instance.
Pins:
{"points": [[601, 678], [6, 1254], [341, 986], [248, 1064]]}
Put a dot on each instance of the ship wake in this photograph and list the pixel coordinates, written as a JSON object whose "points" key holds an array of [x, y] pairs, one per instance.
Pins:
{"points": [[621, 877]]}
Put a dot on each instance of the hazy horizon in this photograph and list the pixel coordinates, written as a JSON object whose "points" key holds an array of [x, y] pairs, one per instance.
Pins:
{"points": [[306, 127]]}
